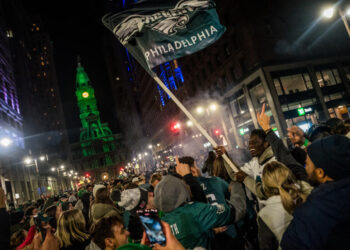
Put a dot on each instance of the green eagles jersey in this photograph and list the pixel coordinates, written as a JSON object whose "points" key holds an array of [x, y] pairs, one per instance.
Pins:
{"points": [[216, 192], [215, 189], [192, 223]]}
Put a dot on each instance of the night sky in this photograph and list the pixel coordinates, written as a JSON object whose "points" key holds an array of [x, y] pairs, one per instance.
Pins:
{"points": [[75, 28]]}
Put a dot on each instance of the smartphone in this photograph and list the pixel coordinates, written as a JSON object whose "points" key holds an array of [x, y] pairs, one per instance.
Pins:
{"points": [[153, 228]]}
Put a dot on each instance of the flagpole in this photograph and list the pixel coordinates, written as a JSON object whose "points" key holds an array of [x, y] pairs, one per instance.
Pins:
{"points": [[193, 120]]}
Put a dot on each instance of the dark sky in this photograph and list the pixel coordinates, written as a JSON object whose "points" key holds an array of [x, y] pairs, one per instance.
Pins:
{"points": [[75, 28]]}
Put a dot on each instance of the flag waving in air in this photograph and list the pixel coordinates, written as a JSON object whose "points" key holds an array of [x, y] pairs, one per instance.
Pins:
{"points": [[157, 31]]}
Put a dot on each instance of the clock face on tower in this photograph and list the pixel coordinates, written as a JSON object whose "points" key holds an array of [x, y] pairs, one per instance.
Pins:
{"points": [[85, 94]]}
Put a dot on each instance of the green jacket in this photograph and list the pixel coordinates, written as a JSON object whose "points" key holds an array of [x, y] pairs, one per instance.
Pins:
{"points": [[192, 223]]}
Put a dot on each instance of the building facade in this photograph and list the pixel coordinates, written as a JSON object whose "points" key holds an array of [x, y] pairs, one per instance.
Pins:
{"points": [[301, 93], [99, 152], [23, 180]]}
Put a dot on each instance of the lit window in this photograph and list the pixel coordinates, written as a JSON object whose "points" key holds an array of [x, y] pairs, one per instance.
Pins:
{"points": [[9, 33], [42, 63], [51, 89], [37, 28], [44, 73]]}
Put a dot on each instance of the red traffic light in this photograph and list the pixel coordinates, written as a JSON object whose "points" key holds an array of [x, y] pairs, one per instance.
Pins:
{"points": [[175, 127]]}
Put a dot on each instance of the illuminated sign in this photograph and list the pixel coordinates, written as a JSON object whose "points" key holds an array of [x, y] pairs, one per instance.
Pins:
{"points": [[243, 131], [301, 111], [308, 110], [85, 94]]}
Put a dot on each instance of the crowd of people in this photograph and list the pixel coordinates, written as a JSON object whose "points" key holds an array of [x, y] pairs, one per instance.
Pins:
{"points": [[292, 194]]}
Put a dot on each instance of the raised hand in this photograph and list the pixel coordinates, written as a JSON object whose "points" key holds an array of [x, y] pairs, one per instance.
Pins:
{"points": [[219, 151], [263, 119]]}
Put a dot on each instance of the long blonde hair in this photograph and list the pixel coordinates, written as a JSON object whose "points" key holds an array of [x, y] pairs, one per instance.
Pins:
{"points": [[277, 179], [219, 169], [71, 228]]}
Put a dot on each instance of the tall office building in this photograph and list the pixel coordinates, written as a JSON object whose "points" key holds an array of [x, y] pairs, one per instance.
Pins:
{"points": [[45, 124]]}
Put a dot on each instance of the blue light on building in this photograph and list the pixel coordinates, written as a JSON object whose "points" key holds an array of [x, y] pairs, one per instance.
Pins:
{"points": [[161, 93], [178, 75], [171, 75]]}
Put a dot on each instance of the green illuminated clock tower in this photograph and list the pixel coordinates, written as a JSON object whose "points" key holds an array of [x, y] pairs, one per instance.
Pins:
{"points": [[95, 137]]}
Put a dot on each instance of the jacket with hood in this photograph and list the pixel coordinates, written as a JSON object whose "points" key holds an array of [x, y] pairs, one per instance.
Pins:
{"points": [[323, 221], [275, 217], [190, 222]]}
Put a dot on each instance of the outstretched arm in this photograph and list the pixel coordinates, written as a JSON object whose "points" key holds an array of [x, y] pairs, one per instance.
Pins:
{"points": [[280, 151]]}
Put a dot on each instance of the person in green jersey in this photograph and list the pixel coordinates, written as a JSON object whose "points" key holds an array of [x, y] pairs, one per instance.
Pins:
{"points": [[190, 222], [217, 192]]}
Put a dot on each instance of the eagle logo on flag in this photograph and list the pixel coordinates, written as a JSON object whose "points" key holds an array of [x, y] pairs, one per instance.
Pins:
{"points": [[166, 22]]}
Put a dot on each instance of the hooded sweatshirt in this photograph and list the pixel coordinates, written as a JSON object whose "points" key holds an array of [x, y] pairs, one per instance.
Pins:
{"points": [[190, 222]]}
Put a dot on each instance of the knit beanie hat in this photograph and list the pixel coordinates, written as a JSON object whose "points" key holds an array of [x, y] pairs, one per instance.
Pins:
{"points": [[332, 154], [97, 187], [133, 199], [170, 193]]}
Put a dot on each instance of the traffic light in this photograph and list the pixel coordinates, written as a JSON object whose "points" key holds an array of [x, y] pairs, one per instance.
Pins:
{"points": [[175, 127], [217, 132]]}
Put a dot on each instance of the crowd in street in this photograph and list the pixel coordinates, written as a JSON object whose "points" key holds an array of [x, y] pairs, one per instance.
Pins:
{"points": [[291, 194]]}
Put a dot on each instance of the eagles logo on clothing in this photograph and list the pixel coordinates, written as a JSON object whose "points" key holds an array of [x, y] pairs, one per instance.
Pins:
{"points": [[157, 31]]}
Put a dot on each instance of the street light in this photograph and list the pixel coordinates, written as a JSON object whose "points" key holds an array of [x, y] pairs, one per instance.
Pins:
{"points": [[199, 110], [62, 167], [28, 160], [158, 145], [5, 142], [146, 153], [348, 12], [53, 169], [150, 146], [213, 107], [42, 158], [328, 13], [189, 123]]}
